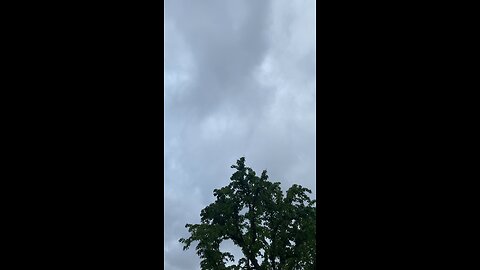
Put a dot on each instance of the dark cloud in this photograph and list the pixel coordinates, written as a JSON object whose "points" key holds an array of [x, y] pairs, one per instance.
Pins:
{"points": [[225, 49], [239, 81]]}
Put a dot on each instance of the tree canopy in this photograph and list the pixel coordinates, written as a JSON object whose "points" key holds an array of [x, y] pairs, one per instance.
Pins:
{"points": [[273, 230]]}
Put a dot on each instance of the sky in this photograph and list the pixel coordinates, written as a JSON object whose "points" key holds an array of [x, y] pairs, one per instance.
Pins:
{"points": [[239, 80]]}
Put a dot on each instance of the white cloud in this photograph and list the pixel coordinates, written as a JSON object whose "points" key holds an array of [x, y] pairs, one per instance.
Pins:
{"points": [[239, 81]]}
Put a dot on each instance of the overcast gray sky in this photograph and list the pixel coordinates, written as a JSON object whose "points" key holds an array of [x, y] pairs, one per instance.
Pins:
{"points": [[239, 81]]}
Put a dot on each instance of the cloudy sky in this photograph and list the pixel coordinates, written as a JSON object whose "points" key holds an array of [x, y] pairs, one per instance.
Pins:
{"points": [[239, 81]]}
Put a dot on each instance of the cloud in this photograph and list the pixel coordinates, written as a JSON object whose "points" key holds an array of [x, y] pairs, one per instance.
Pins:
{"points": [[239, 81]]}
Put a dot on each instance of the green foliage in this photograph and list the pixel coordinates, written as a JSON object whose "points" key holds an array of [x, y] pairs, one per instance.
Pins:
{"points": [[279, 229]]}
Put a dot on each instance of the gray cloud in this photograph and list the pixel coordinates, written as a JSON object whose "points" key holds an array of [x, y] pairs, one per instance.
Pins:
{"points": [[239, 81]]}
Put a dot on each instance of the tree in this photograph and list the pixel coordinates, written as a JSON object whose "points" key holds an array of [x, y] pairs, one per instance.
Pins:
{"points": [[272, 230]]}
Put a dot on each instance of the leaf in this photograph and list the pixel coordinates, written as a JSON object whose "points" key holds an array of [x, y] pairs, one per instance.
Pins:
{"points": [[281, 230]]}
